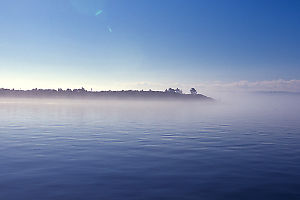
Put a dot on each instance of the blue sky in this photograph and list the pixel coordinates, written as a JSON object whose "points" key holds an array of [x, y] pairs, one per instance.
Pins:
{"points": [[64, 43]]}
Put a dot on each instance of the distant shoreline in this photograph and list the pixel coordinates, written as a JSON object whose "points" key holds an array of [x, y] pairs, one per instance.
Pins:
{"points": [[169, 94]]}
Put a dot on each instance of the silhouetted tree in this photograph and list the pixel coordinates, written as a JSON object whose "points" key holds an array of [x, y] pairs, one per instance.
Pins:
{"points": [[171, 90], [178, 91], [193, 91]]}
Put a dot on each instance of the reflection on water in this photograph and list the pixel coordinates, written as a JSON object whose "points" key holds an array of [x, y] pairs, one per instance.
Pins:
{"points": [[54, 149]]}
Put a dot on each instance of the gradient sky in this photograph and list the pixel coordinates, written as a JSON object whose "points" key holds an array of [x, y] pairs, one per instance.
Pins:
{"points": [[115, 44]]}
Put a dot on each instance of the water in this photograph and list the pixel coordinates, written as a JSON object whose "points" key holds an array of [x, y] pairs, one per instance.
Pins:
{"points": [[54, 149]]}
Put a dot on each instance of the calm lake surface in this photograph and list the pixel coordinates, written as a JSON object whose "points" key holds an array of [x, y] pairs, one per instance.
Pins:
{"points": [[55, 149]]}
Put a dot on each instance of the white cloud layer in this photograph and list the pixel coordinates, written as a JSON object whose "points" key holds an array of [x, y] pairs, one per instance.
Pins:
{"points": [[239, 86]]}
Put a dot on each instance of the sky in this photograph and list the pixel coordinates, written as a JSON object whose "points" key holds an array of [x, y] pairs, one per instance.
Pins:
{"points": [[142, 44]]}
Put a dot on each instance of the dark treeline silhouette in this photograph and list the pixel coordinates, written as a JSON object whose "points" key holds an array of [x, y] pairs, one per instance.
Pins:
{"points": [[83, 93]]}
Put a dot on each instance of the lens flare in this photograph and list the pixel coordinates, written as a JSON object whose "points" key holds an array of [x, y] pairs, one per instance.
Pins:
{"points": [[98, 12]]}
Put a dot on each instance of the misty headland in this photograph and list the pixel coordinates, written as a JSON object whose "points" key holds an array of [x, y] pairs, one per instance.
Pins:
{"points": [[168, 94]]}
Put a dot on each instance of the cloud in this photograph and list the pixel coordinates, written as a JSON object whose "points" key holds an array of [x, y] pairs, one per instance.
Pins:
{"points": [[272, 85], [239, 86]]}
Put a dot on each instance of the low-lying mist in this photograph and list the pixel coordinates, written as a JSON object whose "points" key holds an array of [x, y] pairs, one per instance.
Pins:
{"points": [[227, 106]]}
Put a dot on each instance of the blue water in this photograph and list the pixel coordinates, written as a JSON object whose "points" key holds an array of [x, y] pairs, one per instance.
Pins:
{"points": [[149, 150]]}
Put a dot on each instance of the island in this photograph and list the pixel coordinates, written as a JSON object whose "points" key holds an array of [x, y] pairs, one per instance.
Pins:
{"points": [[168, 94]]}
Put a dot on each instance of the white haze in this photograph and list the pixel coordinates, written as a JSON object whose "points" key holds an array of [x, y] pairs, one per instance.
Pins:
{"points": [[227, 107]]}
